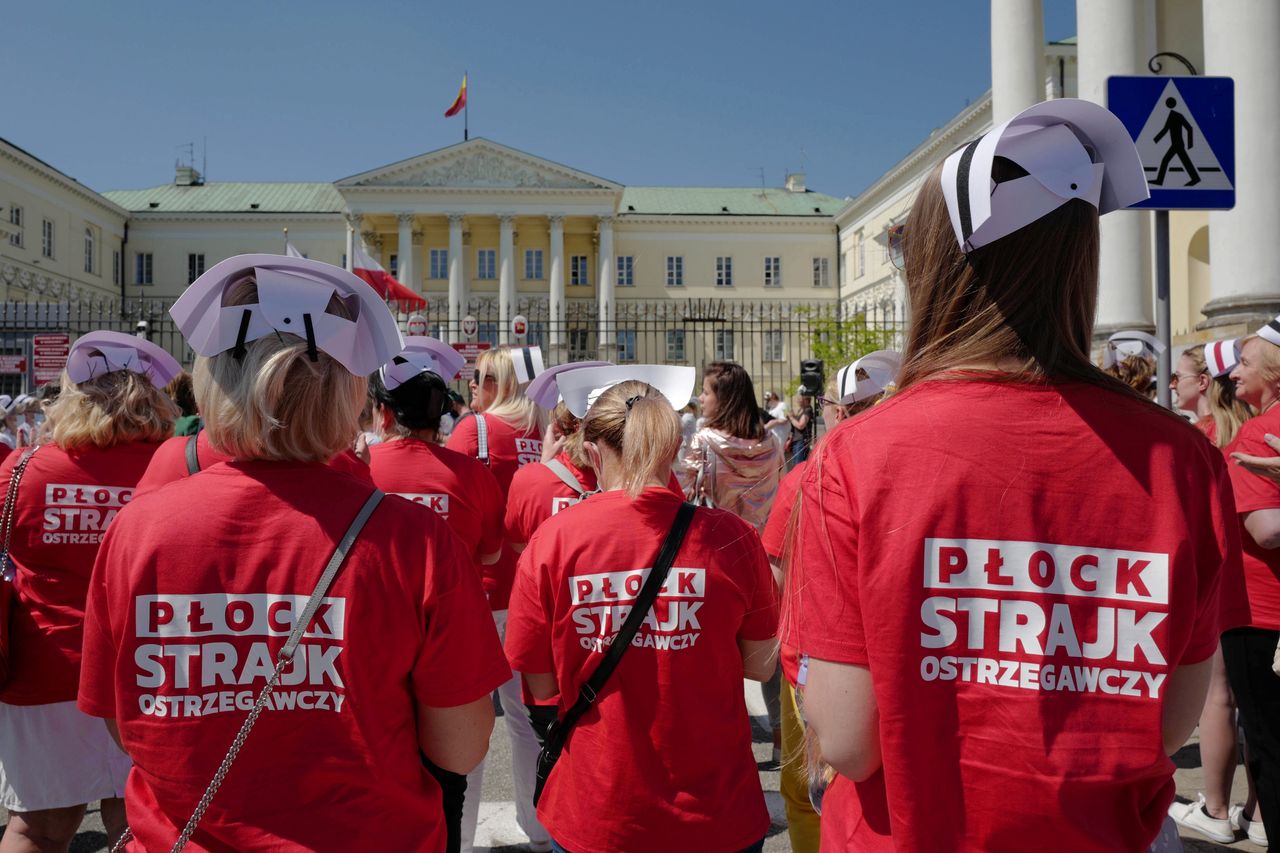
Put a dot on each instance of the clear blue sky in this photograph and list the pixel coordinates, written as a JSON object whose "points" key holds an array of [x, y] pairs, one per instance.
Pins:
{"points": [[691, 93]]}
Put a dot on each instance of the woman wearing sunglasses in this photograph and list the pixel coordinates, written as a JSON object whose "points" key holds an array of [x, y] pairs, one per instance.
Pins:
{"points": [[997, 580]]}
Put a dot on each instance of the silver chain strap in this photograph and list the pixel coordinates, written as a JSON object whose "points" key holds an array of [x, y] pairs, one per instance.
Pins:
{"points": [[286, 656], [10, 508]]}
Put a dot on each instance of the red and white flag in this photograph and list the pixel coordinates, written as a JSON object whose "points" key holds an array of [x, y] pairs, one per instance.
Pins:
{"points": [[380, 280]]}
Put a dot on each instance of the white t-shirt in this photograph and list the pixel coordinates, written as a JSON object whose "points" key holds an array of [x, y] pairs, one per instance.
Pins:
{"points": [[782, 430]]}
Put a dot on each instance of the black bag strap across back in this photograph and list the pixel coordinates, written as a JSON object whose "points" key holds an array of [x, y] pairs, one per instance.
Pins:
{"points": [[193, 460], [559, 732]]}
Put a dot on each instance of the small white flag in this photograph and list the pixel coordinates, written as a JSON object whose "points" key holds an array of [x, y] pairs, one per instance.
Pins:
{"points": [[292, 250]]}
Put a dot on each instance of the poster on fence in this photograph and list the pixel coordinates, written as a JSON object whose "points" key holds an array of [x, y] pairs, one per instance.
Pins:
{"points": [[49, 356], [470, 351]]}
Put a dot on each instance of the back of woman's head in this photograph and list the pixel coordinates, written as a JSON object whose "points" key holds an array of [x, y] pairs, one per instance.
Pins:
{"points": [[737, 413], [635, 421], [415, 405], [570, 426], [1135, 371], [113, 408], [1228, 411], [1029, 296], [274, 402], [832, 392], [506, 401], [182, 394]]}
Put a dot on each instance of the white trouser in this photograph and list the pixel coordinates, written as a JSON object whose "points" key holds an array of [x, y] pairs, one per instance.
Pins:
{"points": [[524, 762]]}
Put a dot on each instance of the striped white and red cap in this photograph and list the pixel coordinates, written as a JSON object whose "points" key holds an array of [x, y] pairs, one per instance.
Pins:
{"points": [[1221, 357], [1271, 331]]}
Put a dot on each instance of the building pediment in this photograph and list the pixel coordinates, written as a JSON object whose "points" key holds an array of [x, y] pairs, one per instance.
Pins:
{"points": [[478, 164]]}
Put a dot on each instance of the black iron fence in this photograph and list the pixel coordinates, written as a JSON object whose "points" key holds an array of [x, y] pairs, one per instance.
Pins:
{"points": [[769, 338]]}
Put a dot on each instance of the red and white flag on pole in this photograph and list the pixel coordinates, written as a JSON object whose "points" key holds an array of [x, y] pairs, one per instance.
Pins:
{"points": [[380, 280]]}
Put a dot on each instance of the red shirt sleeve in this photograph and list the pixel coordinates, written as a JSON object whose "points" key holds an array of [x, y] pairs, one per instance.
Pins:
{"points": [[761, 619], [774, 537], [167, 464], [1252, 491], [97, 695], [461, 658], [528, 619], [822, 614]]}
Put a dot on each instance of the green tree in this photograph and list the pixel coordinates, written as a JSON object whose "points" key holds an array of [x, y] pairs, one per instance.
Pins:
{"points": [[841, 341]]}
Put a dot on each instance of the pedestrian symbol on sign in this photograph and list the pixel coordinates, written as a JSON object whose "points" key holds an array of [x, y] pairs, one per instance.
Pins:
{"points": [[1174, 127]]}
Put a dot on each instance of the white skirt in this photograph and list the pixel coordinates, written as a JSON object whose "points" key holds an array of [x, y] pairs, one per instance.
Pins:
{"points": [[54, 756]]}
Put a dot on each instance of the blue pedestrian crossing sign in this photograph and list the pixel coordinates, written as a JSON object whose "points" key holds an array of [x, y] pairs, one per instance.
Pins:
{"points": [[1184, 129]]}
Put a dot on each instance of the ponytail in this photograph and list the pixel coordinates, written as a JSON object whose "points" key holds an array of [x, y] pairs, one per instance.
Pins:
{"points": [[570, 426], [638, 423]]}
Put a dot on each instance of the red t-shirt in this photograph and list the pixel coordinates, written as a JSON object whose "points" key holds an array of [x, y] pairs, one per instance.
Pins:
{"points": [[1020, 566], [170, 462], [1209, 427], [65, 503], [663, 760], [537, 494], [187, 611], [1261, 566], [775, 538], [461, 490], [509, 450]]}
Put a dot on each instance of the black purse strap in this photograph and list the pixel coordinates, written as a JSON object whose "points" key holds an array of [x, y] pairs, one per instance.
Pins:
{"points": [[590, 689], [193, 459]]}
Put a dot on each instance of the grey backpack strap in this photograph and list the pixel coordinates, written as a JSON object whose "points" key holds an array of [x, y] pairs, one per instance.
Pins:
{"points": [[482, 439], [193, 459], [566, 476]]}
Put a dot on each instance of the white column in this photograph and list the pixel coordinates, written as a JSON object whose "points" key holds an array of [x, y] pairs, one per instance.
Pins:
{"points": [[605, 286], [555, 277], [353, 228], [1240, 37], [457, 281], [506, 276], [1017, 56], [404, 252], [1114, 39]]}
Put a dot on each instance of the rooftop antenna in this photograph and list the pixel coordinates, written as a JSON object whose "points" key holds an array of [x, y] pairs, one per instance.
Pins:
{"points": [[204, 161], [763, 189]]}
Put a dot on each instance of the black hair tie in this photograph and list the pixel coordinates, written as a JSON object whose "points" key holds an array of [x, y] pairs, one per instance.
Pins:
{"points": [[632, 401]]}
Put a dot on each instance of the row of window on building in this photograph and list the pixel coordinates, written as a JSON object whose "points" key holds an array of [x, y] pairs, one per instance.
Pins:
{"points": [[47, 243], [579, 268], [772, 342]]}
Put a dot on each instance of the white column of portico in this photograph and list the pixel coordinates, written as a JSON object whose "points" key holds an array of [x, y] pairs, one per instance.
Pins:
{"points": [[506, 276], [556, 280], [404, 252], [1017, 56], [457, 282], [353, 228], [605, 287], [1240, 38], [1114, 39]]}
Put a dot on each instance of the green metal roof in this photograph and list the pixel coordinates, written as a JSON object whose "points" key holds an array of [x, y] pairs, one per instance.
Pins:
{"points": [[232, 197], [727, 201]]}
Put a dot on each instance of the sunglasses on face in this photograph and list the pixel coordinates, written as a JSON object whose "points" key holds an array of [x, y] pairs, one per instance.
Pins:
{"points": [[895, 235]]}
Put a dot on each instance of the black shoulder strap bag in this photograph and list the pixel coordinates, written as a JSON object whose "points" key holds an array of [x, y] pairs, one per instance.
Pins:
{"points": [[559, 732]]}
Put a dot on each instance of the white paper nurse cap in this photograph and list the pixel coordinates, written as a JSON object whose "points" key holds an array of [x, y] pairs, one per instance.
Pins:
{"points": [[581, 388], [1221, 357], [1069, 148], [881, 368], [422, 353], [527, 362], [544, 391], [99, 353], [1271, 331], [293, 294], [1130, 343]]}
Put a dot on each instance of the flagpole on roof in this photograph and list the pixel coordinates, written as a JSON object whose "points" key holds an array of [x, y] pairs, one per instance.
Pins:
{"points": [[466, 108], [286, 240]]}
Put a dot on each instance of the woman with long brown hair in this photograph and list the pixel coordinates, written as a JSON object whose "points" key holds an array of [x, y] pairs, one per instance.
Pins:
{"points": [[732, 462], [997, 581]]}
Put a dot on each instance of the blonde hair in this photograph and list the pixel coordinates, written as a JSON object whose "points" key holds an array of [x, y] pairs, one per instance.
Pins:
{"points": [[274, 402], [634, 419], [114, 408], [508, 402], [570, 426], [1228, 411], [1136, 371]]}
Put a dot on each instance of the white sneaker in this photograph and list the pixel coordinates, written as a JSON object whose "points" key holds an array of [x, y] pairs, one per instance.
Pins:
{"points": [[1194, 817], [1253, 828]]}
